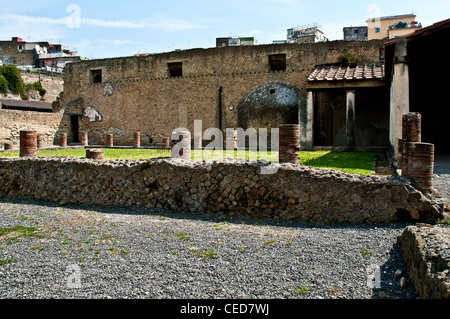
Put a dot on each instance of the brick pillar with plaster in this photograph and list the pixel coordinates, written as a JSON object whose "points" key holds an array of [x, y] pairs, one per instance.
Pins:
{"points": [[421, 165], [289, 143], [411, 133]]}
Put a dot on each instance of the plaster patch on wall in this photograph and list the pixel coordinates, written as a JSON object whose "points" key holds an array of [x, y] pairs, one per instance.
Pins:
{"points": [[108, 90], [93, 115]]}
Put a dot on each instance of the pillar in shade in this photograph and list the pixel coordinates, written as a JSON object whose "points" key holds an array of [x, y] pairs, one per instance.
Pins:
{"points": [[350, 118], [109, 140], [84, 139], [28, 143], [63, 140], [289, 143], [137, 139], [181, 144], [421, 165]]}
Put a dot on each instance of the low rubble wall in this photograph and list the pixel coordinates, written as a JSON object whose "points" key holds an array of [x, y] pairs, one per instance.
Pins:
{"points": [[293, 192], [426, 251]]}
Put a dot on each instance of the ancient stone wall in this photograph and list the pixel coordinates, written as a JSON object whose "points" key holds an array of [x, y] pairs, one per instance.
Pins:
{"points": [[12, 122], [426, 252], [293, 192], [141, 94]]}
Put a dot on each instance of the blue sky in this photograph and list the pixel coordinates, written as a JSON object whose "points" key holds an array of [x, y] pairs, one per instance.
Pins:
{"points": [[103, 29]]}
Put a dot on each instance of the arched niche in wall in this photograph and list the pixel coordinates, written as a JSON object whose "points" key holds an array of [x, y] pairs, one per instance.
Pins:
{"points": [[268, 106]]}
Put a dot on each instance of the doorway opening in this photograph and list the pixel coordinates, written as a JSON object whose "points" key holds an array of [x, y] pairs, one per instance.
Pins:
{"points": [[74, 129]]}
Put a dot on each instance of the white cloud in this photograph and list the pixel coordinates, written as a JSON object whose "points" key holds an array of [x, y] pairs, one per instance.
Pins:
{"points": [[20, 22]]}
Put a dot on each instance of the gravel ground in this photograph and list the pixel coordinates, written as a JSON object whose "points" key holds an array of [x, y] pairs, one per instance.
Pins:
{"points": [[101, 253], [441, 179]]}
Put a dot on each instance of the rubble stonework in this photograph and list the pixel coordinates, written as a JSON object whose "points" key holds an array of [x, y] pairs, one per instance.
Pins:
{"points": [[293, 192], [426, 252]]}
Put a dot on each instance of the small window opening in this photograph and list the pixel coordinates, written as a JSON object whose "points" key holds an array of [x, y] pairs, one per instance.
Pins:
{"points": [[175, 69], [277, 62], [96, 76]]}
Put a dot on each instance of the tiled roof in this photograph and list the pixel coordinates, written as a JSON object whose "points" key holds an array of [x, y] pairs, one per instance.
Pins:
{"points": [[26, 105], [369, 71]]}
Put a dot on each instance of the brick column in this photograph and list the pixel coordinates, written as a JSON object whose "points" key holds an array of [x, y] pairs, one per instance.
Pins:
{"points": [[8, 146], [94, 154], [411, 132], [40, 141], [109, 140], [63, 140], [28, 143], [137, 140], [289, 144], [84, 139], [421, 164]]}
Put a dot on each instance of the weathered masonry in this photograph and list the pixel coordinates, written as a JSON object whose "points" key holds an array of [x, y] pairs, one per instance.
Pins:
{"points": [[293, 192], [248, 86]]}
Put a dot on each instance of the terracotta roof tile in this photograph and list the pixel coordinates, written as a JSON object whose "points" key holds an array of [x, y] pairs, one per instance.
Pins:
{"points": [[368, 71]]}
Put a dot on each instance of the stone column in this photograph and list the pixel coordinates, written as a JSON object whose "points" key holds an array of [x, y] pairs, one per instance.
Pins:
{"points": [[289, 145], [137, 140], [350, 114], [109, 140], [399, 95], [306, 113], [63, 140]]}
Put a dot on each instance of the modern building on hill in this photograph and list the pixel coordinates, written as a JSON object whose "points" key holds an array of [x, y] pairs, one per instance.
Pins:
{"points": [[392, 26], [227, 42], [28, 55]]}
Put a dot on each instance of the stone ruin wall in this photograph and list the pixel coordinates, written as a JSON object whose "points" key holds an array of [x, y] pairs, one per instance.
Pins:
{"points": [[294, 192], [13, 121], [138, 95]]}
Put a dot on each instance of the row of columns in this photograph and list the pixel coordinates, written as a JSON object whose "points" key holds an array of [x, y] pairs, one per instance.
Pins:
{"points": [[307, 121], [289, 143]]}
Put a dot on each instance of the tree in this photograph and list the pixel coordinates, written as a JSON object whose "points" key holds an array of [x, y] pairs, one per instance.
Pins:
{"points": [[14, 78], [3, 85]]}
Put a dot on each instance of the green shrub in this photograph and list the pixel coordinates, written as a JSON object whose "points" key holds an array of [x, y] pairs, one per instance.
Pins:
{"points": [[3, 85], [14, 78], [38, 87]]}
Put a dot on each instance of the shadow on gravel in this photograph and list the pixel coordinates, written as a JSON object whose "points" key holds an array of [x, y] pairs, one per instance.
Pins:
{"points": [[216, 218], [390, 283]]}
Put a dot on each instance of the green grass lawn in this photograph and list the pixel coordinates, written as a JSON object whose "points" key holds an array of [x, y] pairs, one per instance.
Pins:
{"points": [[351, 162]]}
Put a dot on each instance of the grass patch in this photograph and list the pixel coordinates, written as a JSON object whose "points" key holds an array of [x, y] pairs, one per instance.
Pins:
{"points": [[207, 254], [351, 162], [16, 232], [7, 261]]}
